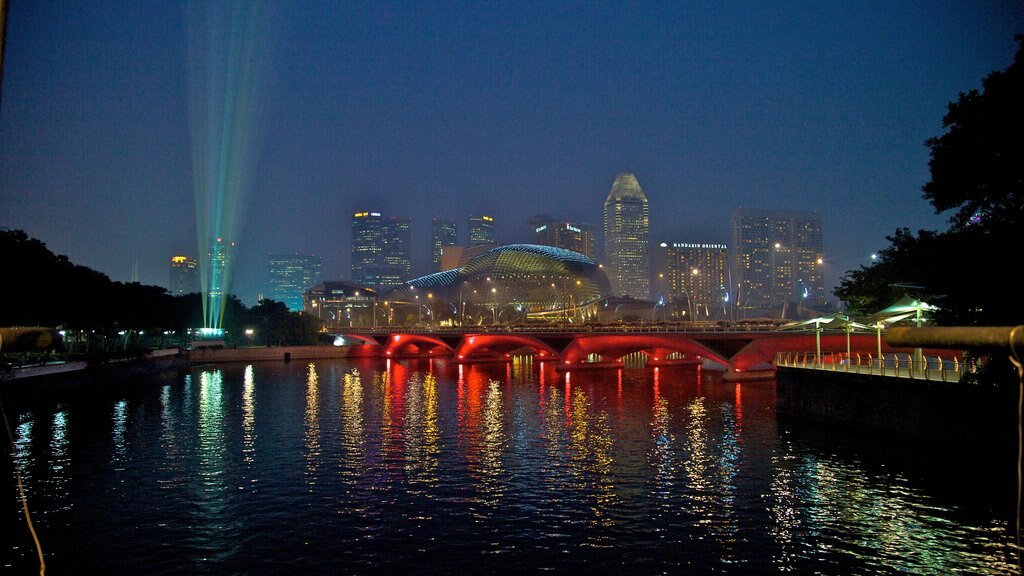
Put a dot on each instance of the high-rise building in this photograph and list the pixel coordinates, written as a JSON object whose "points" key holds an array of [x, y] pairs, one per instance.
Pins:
{"points": [[397, 251], [626, 224], [697, 278], [777, 259], [443, 233], [481, 230], [367, 245], [381, 249], [221, 258], [184, 275], [290, 275], [576, 236]]}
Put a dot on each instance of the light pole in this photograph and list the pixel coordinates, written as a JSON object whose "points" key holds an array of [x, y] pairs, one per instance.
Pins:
{"points": [[494, 309]]}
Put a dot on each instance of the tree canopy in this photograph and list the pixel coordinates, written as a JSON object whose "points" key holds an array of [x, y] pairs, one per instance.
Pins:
{"points": [[977, 165], [49, 290], [977, 174]]}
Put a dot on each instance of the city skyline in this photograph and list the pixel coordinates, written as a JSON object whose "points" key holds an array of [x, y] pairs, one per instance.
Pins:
{"points": [[525, 111]]}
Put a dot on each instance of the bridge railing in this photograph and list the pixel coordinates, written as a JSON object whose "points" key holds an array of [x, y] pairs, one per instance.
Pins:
{"points": [[899, 365], [666, 328]]}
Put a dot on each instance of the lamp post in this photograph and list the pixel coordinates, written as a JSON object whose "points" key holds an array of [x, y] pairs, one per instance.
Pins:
{"points": [[494, 309]]}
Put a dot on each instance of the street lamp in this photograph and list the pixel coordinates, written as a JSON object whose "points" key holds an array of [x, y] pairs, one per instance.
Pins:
{"points": [[494, 309]]}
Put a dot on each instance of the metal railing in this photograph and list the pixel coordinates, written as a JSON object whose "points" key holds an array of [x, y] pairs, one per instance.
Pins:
{"points": [[898, 365], [698, 327]]}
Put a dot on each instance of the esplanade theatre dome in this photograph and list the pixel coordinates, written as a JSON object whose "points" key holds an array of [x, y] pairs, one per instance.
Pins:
{"points": [[511, 283]]}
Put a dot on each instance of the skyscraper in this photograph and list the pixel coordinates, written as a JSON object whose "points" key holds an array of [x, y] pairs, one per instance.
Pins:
{"points": [[626, 223], [443, 233], [367, 246], [576, 236], [381, 249], [777, 259], [184, 275], [290, 275], [221, 258], [397, 251], [481, 230], [697, 276]]}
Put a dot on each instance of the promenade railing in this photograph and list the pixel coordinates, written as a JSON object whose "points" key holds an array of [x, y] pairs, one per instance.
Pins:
{"points": [[898, 365], [695, 327]]}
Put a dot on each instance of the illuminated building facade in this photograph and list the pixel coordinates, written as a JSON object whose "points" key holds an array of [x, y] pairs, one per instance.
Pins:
{"points": [[576, 236], [697, 278], [184, 275], [777, 257], [626, 231], [507, 284], [381, 249], [290, 275], [341, 304], [481, 230], [221, 258], [444, 233]]}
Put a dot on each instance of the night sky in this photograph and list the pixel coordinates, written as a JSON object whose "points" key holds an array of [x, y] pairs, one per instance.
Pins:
{"points": [[428, 109]]}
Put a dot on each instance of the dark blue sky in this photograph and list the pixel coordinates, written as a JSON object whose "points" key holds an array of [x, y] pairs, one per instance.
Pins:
{"points": [[430, 109]]}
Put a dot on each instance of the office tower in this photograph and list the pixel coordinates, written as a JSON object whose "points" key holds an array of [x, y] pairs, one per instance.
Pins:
{"points": [[481, 230], [221, 258], [184, 275], [367, 246], [397, 252], [626, 222], [777, 259], [381, 249], [576, 236], [290, 275], [697, 279], [443, 234]]}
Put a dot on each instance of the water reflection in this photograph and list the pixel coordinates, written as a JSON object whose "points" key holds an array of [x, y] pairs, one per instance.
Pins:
{"points": [[59, 461], [384, 465], [312, 424], [120, 418], [248, 415]]}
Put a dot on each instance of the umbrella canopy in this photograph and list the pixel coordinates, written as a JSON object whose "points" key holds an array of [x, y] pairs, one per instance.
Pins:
{"points": [[834, 320], [905, 307]]}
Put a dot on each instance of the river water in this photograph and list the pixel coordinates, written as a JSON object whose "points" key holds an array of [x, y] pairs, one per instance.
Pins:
{"points": [[370, 467]]}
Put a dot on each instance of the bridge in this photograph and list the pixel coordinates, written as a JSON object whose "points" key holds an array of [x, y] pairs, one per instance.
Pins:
{"points": [[740, 353]]}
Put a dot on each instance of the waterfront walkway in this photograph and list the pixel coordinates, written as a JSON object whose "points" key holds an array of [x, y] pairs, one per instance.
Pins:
{"points": [[938, 368]]}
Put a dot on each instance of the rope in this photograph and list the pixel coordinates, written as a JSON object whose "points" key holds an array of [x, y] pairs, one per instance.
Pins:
{"points": [[1015, 359], [24, 499]]}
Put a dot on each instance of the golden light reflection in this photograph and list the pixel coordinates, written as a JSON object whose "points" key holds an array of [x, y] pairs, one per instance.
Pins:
{"points": [[591, 449], [698, 466], [353, 435], [312, 423], [493, 442]]}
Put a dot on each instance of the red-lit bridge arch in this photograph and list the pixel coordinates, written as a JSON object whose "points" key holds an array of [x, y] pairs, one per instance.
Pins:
{"points": [[399, 345], [739, 352], [497, 346], [657, 347]]}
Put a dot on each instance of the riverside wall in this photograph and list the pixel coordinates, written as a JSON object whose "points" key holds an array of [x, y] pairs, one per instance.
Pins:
{"points": [[941, 411]]}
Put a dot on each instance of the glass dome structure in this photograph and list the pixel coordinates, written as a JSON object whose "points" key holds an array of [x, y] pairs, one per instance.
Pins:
{"points": [[511, 283]]}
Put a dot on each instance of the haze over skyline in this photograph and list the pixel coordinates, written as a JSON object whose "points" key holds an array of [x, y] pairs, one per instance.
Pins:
{"points": [[485, 108]]}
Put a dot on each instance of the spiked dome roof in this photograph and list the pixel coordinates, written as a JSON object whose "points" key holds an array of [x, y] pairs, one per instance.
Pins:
{"points": [[625, 187]]}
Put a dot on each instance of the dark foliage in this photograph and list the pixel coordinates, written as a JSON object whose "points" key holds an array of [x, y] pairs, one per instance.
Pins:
{"points": [[48, 290], [977, 171]]}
